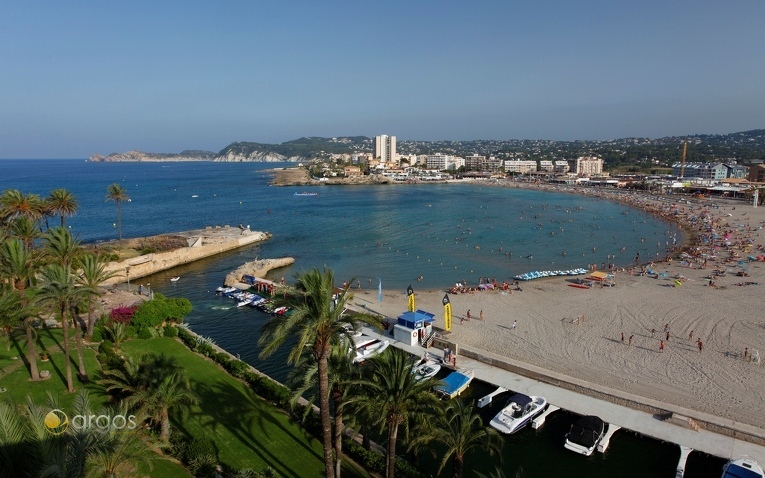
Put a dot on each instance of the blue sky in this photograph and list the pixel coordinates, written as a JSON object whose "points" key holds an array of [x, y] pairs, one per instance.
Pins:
{"points": [[83, 77]]}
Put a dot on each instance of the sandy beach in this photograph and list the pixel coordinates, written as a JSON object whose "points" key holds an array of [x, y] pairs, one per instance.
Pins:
{"points": [[727, 317]]}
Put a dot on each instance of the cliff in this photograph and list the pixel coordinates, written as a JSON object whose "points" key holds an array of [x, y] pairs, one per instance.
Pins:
{"points": [[139, 156]]}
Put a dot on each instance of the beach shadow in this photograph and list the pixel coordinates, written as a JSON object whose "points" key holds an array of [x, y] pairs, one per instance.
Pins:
{"points": [[505, 327]]}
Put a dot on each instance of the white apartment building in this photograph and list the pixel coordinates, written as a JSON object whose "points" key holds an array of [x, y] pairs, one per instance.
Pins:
{"points": [[521, 166], [440, 162], [562, 167], [589, 166], [385, 148], [546, 165]]}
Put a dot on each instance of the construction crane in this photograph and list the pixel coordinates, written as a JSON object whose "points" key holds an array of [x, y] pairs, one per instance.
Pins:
{"points": [[682, 162]]}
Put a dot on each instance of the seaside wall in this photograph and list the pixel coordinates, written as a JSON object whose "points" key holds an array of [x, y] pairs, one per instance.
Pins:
{"points": [[148, 264]]}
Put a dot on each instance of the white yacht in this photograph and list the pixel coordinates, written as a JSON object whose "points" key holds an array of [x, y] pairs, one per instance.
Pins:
{"points": [[518, 412]]}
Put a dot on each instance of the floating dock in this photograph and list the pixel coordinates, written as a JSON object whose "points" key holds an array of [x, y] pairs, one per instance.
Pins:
{"points": [[603, 445], [540, 420], [483, 401], [684, 452]]}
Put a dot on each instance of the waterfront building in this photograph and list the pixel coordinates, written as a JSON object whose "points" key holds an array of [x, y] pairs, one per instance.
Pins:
{"points": [[352, 171], [757, 173], [442, 162], [562, 167], [520, 166], [714, 171], [589, 166], [546, 165], [385, 148]]}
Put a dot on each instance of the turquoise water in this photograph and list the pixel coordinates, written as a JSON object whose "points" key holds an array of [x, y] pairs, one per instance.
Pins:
{"points": [[445, 233]]}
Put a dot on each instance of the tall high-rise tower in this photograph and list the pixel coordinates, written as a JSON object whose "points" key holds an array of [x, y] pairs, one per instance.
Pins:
{"points": [[385, 148]]}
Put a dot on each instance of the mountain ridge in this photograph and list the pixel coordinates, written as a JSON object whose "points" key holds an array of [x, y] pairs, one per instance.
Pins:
{"points": [[745, 146]]}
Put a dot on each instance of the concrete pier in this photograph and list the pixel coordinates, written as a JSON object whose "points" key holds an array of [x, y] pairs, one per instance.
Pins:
{"points": [[483, 401], [606, 440], [684, 452], [540, 420]]}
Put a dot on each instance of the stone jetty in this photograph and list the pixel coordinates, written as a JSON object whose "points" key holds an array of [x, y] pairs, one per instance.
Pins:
{"points": [[256, 268]]}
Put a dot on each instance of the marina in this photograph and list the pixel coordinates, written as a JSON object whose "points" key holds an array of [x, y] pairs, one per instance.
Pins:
{"points": [[645, 423]]}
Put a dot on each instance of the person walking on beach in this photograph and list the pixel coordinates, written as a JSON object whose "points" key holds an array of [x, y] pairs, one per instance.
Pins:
{"points": [[622, 337], [653, 333], [515, 322], [701, 345], [468, 314], [667, 336], [690, 336], [661, 346], [629, 342], [481, 314]]}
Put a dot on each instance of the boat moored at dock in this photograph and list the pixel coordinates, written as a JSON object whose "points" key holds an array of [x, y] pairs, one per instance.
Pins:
{"points": [[743, 467], [518, 412], [585, 435]]}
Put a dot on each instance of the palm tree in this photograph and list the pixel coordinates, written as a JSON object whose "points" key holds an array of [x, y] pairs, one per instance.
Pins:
{"points": [[342, 372], [25, 229], [390, 393], [316, 319], [65, 250], [59, 290], [118, 194], [14, 203], [155, 385], [460, 430], [92, 273], [62, 203], [18, 266]]}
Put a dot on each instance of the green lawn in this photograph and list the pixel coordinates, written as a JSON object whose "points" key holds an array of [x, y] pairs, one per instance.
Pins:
{"points": [[248, 432], [14, 371]]}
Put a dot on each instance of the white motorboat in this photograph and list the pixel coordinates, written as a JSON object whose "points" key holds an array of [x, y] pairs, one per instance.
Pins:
{"points": [[367, 347], [743, 467], [425, 369], [585, 435], [518, 412], [175, 278]]}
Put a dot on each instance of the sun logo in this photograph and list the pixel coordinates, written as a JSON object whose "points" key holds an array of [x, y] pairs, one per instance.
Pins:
{"points": [[56, 422]]}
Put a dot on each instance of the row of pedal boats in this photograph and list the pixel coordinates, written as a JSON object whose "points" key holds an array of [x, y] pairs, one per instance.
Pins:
{"points": [[243, 298], [541, 274]]}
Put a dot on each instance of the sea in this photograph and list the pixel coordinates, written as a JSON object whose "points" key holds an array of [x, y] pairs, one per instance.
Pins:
{"points": [[428, 236]]}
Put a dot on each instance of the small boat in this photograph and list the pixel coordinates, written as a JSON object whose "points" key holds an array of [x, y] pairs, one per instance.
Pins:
{"points": [[580, 286], [454, 383], [585, 435], [367, 347], [195, 195], [427, 369], [518, 412], [175, 278], [743, 467], [306, 194]]}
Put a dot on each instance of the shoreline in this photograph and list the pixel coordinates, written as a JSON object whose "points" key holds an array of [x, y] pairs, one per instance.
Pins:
{"points": [[725, 317]]}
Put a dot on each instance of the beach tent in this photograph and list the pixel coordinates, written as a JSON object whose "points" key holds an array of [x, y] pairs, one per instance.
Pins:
{"points": [[603, 277], [600, 276]]}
